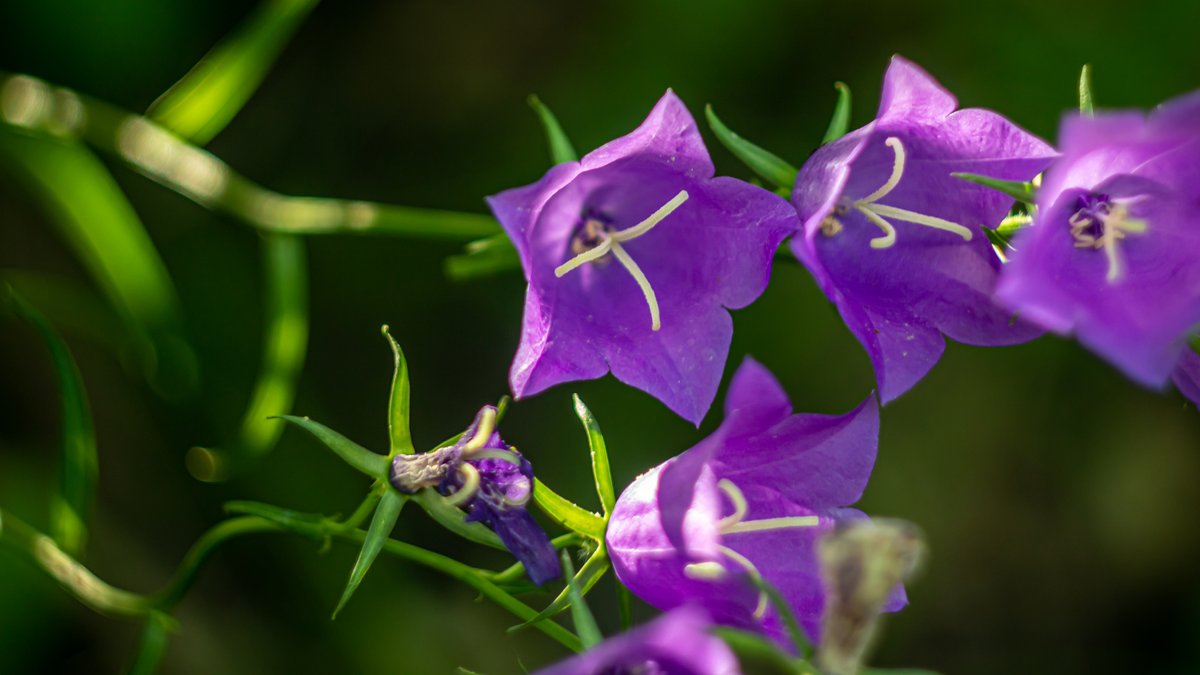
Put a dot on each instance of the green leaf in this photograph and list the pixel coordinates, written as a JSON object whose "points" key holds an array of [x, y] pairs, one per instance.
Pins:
{"points": [[581, 616], [93, 216], [381, 529], [624, 606], [757, 652], [399, 435], [483, 258], [839, 124], [561, 149], [201, 104], [78, 460], [1022, 192], [583, 582], [152, 644], [803, 646], [567, 513], [772, 169], [71, 306], [1001, 236], [311, 525], [601, 470], [1086, 106], [375, 466], [454, 519], [284, 345], [896, 671]]}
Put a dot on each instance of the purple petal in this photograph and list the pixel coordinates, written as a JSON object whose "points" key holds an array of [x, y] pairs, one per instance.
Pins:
{"points": [[668, 135], [1187, 376], [523, 537]]}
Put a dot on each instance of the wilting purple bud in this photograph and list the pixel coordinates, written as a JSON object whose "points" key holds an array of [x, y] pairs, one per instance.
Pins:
{"points": [[633, 256], [493, 482], [676, 643], [895, 241], [749, 500]]}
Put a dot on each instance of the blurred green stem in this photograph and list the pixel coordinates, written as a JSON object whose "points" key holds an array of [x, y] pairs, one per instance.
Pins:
{"points": [[33, 105]]}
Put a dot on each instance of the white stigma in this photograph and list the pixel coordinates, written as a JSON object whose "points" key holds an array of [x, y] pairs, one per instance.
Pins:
{"points": [[610, 242], [1113, 227], [879, 214]]}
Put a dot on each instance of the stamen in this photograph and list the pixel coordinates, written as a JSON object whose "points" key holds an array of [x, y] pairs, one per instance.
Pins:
{"points": [[704, 571], [740, 507], [831, 226], [599, 251], [1114, 224], [897, 171], [761, 609], [487, 424], [622, 257], [470, 476]]}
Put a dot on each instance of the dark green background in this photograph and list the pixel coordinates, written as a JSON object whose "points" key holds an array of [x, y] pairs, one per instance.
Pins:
{"points": [[1059, 500]]}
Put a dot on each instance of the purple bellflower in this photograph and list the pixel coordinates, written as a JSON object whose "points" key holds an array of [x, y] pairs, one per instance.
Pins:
{"points": [[751, 499], [632, 255], [1114, 252], [676, 643], [493, 482], [895, 241]]}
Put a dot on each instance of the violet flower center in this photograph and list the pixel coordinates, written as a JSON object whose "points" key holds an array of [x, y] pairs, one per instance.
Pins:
{"points": [[879, 214], [1098, 223]]}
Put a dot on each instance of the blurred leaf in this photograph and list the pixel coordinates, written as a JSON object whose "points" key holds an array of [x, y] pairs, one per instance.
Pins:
{"points": [[1086, 106], [797, 635], [601, 470], [896, 671], [561, 149], [839, 124], [284, 345], [566, 513], [585, 624], [773, 169], [78, 461], [1001, 236], [760, 653], [1022, 192], [375, 466], [201, 104], [152, 644], [483, 258], [73, 308], [624, 606], [583, 582], [381, 528], [453, 518], [399, 434], [96, 220]]}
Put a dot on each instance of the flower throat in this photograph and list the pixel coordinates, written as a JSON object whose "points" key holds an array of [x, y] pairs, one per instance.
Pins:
{"points": [[1099, 223]]}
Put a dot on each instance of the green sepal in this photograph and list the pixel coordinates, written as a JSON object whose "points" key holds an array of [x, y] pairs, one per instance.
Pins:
{"points": [[483, 258], [1020, 191], [771, 167], [375, 466], [839, 124], [1086, 105], [601, 470], [561, 149], [454, 519], [592, 571], [207, 98], [78, 460], [399, 435], [380, 530], [568, 514]]}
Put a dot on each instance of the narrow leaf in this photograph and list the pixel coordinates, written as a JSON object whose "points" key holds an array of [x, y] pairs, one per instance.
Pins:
{"points": [[1022, 192], [284, 346], [483, 258], [601, 470], [78, 460], [381, 528], [561, 149], [454, 519], [803, 646], [399, 435], [152, 644], [375, 466], [311, 525], [624, 606], [764, 163], [581, 616], [588, 576], [566, 513], [754, 650], [1086, 107], [201, 104], [839, 124]]}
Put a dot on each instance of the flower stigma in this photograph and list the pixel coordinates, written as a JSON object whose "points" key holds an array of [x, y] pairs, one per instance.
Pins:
{"points": [[1099, 223], [597, 239], [878, 213]]}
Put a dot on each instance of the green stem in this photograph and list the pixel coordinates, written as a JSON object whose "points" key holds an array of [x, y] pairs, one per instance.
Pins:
{"points": [[195, 558], [160, 155]]}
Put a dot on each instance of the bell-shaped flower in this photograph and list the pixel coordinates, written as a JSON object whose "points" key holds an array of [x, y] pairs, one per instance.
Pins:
{"points": [[676, 643], [895, 241], [493, 482], [633, 255], [751, 501], [1113, 255]]}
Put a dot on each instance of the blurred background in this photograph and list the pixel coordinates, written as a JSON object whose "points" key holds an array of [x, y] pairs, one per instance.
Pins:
{"points": [[1058, 498]]}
